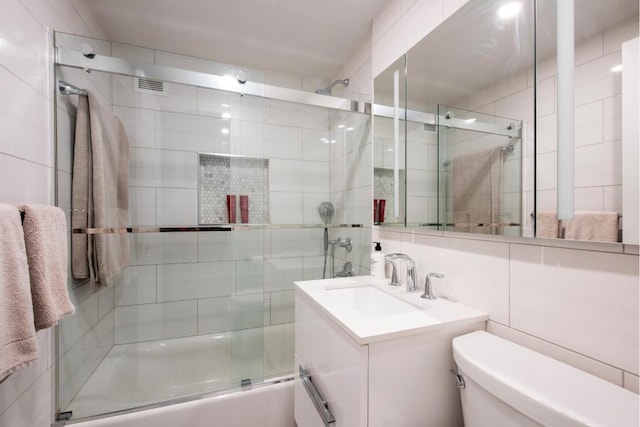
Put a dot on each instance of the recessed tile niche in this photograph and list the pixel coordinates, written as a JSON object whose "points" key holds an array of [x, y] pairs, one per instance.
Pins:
{"points": [[222, 175]]}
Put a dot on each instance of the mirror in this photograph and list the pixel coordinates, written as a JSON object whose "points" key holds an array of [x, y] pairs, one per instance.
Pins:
{"points": [[471, 162]]}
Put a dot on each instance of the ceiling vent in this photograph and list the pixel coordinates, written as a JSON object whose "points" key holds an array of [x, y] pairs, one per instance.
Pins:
{"points": [[148, 86]]}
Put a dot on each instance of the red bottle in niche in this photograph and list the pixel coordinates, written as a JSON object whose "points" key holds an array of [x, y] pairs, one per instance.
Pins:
{"points": [[381, 206], [376, 211], [244, 209], [231, 208]]}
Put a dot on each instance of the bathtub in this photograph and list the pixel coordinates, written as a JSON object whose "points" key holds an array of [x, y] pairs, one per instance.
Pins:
{"points": [[266, 406], [192, 373]]}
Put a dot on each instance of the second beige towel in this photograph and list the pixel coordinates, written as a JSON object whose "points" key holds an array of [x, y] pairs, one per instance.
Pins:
{"points": [[45, 237]]}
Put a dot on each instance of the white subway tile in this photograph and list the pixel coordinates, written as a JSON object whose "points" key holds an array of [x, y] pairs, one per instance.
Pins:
{"points": [[546, 171], [613, 198], [289, 81], [77, 365], [589, 124], [73, 328], [594, 80], [142, 206], [599, 164], [231, 246], [577, 360], [315, 145], [280, 273], [581, 300], [282, 142], [162, 168], [313, 267], [60, 15], [547, 134], [163, 248], [33, 407], [386, 18], [614, 37], [139, 124], [279, 349], [137, 285], [149, 322], [293, 114], [178, 282], [24, 135], [519, 105], [612, 121], [299, 176], [249, 274], [189, 132], [285, 207], [282, 307], [247, 354], [546, 96], [247, 139], [293, 243], [589, 199], [230, 313], [589, 49], [24, 50], [483, 283], [15, 385], [177, 206]]}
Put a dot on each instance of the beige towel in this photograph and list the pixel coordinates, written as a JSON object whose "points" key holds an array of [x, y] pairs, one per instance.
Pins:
{"points": [[547, 224], [596, 226], [18, 343], [100, 192], [476, 192], [45, 237]]}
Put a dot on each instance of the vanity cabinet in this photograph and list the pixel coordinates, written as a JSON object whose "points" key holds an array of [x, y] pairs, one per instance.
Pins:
{"points": [[398, 378]]}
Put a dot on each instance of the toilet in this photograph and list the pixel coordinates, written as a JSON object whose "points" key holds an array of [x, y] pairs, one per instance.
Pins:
{"points": [[506, 384]]}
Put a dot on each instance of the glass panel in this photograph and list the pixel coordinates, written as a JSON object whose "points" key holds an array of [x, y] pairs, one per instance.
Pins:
{"points": [[481, 172], [208, 309], [602, 29]]}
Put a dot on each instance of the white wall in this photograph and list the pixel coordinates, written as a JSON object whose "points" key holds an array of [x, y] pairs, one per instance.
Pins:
{"points": [[26, 162], [579, 306]]}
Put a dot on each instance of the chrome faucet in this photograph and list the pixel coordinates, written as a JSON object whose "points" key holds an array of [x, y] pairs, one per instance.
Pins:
{"points": [[411, 271], [428, 292]]}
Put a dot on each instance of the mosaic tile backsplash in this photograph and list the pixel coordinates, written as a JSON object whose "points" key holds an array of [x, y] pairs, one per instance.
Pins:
{"points": [[222, 175]]}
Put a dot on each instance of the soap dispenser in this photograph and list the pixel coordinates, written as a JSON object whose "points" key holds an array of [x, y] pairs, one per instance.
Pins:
{"points": [[377, 262]]}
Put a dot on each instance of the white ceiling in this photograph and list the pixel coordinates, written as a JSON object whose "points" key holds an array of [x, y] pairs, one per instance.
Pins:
{"points": [[301, 37]]}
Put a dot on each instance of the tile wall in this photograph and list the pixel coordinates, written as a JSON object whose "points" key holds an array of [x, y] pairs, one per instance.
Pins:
{"points": [[26, 163], [579, 306]]}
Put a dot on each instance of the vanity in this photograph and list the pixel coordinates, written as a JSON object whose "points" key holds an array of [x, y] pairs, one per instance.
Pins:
{"points": [[370, 354]]}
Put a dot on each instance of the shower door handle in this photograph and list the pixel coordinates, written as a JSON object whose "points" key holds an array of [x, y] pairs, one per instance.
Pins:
{"points": [[318, 401]]}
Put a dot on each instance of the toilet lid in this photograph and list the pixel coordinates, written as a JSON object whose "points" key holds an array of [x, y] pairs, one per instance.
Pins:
{"points": [[546, 390]]}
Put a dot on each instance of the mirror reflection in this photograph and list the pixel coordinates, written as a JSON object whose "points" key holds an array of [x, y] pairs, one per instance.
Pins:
{"points": [[476, 94]]}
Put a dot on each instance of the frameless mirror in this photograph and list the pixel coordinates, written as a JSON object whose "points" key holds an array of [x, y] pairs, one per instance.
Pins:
{"points": [[483, 85], [389, 156], [601, 118]]}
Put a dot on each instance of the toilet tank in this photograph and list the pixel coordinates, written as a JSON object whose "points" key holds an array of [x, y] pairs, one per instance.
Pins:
{"points": [[509, 385]]}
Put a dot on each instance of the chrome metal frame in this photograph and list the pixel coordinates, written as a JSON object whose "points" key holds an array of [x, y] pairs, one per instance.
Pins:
{"points": [[120, 66], [206, 228]]}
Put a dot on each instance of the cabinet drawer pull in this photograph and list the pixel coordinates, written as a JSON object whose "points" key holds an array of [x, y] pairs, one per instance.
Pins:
{"points": [[318, 401]]}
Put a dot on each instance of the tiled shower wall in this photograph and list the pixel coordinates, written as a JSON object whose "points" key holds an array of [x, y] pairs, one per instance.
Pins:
{"points": [[26, 164]]}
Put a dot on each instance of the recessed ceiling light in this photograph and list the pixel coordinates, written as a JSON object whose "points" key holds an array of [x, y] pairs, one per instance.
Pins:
{"points": [[340, 126], [333, 141], [224, 131], [226, 115], [225, 105], [509, 10], [349, 128], [617, 68]]}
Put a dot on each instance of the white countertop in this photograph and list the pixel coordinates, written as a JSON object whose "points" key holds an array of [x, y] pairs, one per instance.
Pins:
{"points": [[413, 315]]}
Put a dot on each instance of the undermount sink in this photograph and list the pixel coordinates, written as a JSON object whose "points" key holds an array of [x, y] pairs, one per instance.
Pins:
{"points": [[371, 301], [370, 310]]}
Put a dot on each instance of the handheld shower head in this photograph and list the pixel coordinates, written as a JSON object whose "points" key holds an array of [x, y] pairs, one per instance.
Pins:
{"points": [[326, 211]]}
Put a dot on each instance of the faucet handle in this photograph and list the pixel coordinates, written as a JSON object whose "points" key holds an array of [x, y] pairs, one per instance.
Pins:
{"points": [[394, 274], [428, 294]]}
